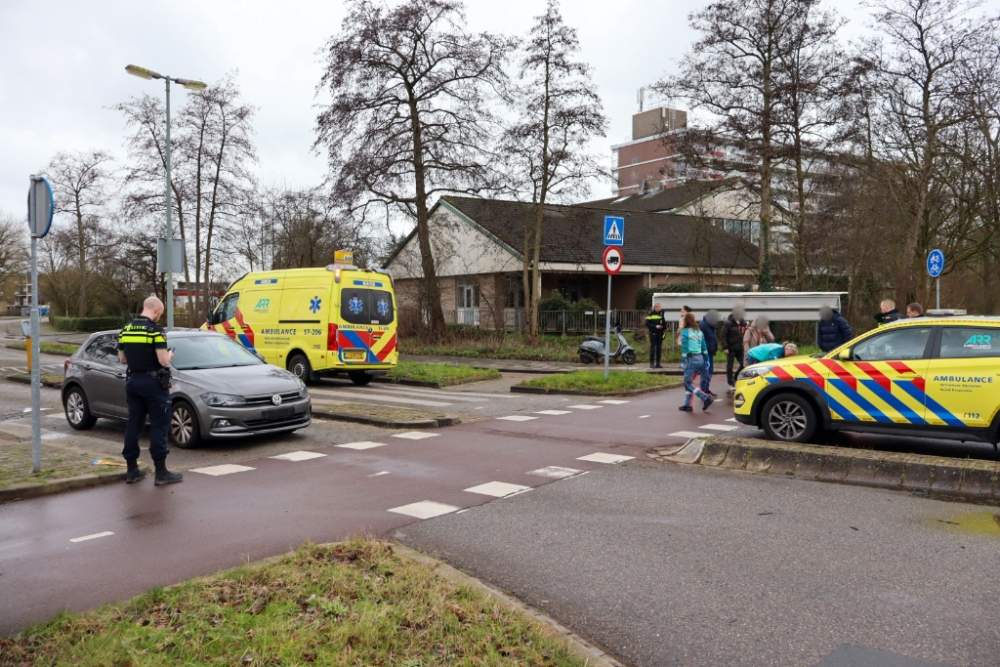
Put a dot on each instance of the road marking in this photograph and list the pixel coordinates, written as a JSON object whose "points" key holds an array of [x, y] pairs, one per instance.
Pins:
{"points": [[719, 427], [613, 402], [497, 489], [366, 444], [644, 416], [733, 419], [554, 412], [687, 434], [585, 407], [425, 509], [437, 392], [379, 474], [555, 472], [518, 418], [298, 456], [416, 435], [225, 469], [352, 397], [53, 436], [91, 537], [27, 410], [600, 457], [372, 392]]}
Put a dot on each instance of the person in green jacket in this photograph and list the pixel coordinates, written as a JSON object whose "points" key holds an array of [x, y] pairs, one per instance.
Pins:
{"points": [[770, 352]]}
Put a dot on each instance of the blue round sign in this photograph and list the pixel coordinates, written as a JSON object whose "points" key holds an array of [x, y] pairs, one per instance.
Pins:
{"points": [[935, 263]]}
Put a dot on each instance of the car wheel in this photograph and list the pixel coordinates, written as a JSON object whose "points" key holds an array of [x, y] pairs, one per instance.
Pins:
{"points": [[184, 430], [789, 418], [298, 365], [360, 378], [78, 409], [628, 357]]}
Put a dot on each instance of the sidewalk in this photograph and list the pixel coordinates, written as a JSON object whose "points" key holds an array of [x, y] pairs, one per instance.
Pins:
{"points": [[541, 367]]}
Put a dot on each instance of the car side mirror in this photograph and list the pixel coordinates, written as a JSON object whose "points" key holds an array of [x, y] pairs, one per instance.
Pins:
{"points": [[845, 354], [210, 317]]}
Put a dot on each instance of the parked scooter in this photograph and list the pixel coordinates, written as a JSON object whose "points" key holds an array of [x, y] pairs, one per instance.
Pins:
{"points": [[592, 349]]}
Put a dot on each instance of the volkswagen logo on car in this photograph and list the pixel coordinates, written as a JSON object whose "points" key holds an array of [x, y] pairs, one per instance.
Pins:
{"points": [[276, 399]]}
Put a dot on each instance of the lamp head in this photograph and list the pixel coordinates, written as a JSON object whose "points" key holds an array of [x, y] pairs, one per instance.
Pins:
{"points": [[142, 72], [191, 84]]}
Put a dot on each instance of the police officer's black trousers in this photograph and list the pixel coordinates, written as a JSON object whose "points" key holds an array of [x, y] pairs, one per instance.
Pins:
{"points": [[655, 348], [145, 397]]}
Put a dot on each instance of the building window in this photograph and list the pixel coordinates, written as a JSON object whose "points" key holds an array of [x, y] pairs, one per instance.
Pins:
{"points": [[468, 295], [513, 291], [635, 160], [749, 230]]}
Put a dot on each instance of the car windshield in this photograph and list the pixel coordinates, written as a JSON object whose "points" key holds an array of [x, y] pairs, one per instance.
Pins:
{"points": [[218, 351]]}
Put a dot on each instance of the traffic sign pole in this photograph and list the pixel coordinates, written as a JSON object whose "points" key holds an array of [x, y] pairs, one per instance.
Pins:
{"points": [[40, 210], [938, 300], [613, 261], [607, 334]]}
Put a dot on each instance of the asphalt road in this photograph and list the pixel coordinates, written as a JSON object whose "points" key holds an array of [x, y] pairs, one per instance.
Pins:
{"points": [[671, 565], [150, 536]]}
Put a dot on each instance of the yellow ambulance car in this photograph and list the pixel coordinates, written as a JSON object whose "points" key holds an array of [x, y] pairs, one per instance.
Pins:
{"points": [[926, 377], [323, 321]]}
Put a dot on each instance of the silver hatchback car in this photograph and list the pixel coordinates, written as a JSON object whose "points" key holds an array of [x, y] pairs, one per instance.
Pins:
{"points": [[219, 390]]}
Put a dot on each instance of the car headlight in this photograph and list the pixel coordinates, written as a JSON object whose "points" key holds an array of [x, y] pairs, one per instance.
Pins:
{"points": [[222, 400], [754, 371], [303, 390]]}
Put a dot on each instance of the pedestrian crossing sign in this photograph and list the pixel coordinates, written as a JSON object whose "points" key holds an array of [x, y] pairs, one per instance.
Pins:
{"points": [[614, 230]]}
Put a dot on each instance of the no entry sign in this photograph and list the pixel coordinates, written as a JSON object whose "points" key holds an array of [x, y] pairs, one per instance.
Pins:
{"points": [[613, 260]]}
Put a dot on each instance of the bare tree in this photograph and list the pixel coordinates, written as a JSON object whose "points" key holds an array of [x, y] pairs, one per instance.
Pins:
{"points": [[80, 183], [409, 118], [732, 72], [13, 247], [918, 97], [814, 76], [213, 154], [559, 114]]}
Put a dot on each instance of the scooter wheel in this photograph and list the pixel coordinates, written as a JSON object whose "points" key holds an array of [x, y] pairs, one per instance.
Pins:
{"points": [[586, 358], [628, 357]]}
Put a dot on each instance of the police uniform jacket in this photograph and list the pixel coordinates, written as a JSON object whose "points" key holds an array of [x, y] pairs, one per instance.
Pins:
{"points": [[140, 340], [654, 319]]}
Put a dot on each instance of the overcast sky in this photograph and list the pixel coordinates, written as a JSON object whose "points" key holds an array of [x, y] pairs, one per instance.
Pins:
{"points": [[62, 67]]}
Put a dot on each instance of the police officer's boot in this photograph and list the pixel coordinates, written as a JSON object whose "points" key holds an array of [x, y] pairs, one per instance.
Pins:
{"points": [[134, 474], [164, 476]]}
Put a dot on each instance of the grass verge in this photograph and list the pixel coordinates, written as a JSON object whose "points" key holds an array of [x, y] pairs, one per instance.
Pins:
{"points": [[443, 375], [351, 604], [48, 348], [617, 383], [57, 463]]}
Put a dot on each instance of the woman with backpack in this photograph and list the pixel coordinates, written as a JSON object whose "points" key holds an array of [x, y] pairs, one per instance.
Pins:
{"points": [[694, 359]]}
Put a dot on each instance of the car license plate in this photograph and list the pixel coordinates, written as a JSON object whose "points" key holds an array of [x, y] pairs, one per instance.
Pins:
{"points": [[279, 413], [355, 355]]}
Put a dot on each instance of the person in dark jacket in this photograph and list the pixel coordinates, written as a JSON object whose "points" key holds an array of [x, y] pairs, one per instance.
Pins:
{"points": [[656, 323], [732, 344], [832, 330], [914, 310], [707, 326], [889, 313]]}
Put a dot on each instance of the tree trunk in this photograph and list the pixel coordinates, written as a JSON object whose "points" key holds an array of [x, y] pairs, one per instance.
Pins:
{"points": [[431, 287], [82, 249], [764, 280]]}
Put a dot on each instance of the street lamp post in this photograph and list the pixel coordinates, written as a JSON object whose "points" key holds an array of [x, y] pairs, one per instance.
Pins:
{"points": [[190, 84]]}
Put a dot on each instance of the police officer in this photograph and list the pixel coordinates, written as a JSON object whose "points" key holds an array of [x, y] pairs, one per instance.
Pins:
{"points": [[657, 325], [142, 345]]}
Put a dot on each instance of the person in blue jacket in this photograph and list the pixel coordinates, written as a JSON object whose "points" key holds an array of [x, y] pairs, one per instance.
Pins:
{"points": [[694, 355], [708, 330], [832, 330]]}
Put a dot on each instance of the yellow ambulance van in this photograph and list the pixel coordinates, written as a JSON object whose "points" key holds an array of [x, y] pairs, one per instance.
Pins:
{"points": [[323, 321]]}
